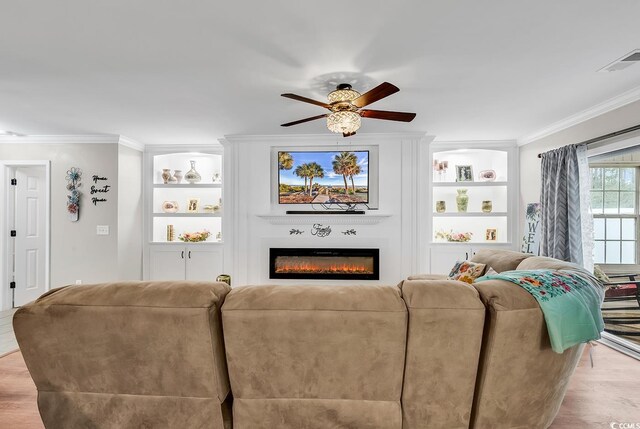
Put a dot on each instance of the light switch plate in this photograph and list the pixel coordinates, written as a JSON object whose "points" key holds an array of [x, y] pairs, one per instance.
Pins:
{"points": [[102, 229]]}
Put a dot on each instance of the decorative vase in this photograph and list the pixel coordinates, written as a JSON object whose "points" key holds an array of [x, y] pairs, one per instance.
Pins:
{"points": [[166, 175], [170, 233], [192, 176], [177, 174], [462, 200], [441, 206], [487, 206], [216, 178]]}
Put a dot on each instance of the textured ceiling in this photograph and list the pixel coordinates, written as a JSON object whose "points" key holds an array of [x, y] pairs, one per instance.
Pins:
{"points": [[189, 72]]}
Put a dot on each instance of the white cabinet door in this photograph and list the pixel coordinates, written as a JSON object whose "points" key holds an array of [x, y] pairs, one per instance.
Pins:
{"points": [[203, 264], [167, 263], [444, 258]]}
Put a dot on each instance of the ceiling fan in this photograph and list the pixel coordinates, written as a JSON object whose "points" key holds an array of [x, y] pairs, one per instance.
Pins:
{"points": [[346, 108]]}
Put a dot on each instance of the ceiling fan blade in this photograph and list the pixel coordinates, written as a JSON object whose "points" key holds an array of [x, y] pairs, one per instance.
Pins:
{"points": [[306, 100], [389, 116], [383, 90], [313, 118]]}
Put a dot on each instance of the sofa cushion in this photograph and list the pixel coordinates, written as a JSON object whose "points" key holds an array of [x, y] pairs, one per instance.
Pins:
{"points": [[466, 271], [500, 260]]}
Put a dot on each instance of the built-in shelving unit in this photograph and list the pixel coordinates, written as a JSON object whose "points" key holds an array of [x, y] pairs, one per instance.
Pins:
{"points": [[486, 172], [199, 208]]}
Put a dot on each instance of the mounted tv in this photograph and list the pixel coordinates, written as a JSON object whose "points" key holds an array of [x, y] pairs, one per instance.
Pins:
{"points": [[323, 177]]}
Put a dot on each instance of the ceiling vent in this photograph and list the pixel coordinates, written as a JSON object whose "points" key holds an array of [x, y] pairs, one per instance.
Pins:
{"points": [[622, 63]]}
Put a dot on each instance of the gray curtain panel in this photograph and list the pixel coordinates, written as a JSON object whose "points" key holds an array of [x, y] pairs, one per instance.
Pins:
{"points": [[560, 221]]}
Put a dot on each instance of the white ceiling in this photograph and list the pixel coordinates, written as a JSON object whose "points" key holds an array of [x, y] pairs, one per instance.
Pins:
{"points": [[166, 71]]}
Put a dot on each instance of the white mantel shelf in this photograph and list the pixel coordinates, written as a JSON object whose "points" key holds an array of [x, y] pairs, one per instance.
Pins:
{"points": [[336, 219]]}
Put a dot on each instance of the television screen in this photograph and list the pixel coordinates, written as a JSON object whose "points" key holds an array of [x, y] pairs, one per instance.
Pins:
{"points": [[323, 177]]}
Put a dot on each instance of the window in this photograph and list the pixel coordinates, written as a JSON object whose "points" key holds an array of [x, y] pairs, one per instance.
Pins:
{"points": [[614, 196]]}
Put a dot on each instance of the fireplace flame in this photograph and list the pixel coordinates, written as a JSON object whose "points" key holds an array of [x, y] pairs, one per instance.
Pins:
{"points": [[308, 267]]}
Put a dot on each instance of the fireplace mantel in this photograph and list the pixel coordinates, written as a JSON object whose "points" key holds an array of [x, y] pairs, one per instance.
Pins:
{"points": [[346, 219]]}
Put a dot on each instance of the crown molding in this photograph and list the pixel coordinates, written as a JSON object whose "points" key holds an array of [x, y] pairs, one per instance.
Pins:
{"points": [[131, 143], [62, 139], [585, 115], [321, 138]]}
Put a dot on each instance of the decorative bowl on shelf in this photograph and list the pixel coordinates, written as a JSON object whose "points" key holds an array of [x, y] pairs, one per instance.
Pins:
{"points": [[194, 237], [488, 175], [454, 237], [170, 207]]}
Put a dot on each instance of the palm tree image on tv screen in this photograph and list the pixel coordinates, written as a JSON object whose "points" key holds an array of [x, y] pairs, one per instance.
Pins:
{"points": [[323, 177]]}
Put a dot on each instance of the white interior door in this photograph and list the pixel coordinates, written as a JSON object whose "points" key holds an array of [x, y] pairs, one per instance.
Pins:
{"points": [[30, 241]]}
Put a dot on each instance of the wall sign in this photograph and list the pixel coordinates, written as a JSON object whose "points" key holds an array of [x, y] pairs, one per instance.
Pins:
{"points": [[320, 231], [99, 190], [531, 238], [74, 174]]}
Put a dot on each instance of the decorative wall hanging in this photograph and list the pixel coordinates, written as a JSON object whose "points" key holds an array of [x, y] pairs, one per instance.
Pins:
{"points": [[320, 231], [294, 231], [97, 189], [531, 238], [350, 232], [74, 175]]}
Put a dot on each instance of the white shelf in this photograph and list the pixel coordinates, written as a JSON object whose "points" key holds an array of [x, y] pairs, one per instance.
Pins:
{"points": [[187, 185], [187, 214], [471, 214], [472, 242], [469, 184], [336, 219]]}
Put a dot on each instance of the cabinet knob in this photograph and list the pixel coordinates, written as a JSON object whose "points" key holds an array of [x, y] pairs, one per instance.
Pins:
{"points": [[189, 254], [182, 254], [466, 255]]}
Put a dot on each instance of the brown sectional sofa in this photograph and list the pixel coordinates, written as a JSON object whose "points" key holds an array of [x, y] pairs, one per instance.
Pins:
{"points": [[431, 353]]}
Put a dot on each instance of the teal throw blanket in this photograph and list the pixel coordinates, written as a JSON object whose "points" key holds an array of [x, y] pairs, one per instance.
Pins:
{"points": [[570, 300]]}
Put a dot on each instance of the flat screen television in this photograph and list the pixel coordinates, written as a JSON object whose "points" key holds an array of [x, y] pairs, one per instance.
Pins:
{"points": [[327, 177]]}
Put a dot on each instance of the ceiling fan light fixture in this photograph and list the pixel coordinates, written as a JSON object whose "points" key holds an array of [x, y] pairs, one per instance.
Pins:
{"points": [[344, 122], [342, 95]]}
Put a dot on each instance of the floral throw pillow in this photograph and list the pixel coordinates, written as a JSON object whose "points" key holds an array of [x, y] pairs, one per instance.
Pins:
{"points": [[466, 271]]}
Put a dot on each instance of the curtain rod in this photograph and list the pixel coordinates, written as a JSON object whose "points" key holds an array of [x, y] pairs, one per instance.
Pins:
{"points": [[606, 136]]}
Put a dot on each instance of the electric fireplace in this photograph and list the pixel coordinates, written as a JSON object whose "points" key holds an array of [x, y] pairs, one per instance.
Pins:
{"points": [[324, 263]]}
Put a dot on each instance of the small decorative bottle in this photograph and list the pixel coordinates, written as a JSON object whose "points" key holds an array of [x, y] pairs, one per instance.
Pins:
{"points": [[462, 200], [441, 206], [487, 206], [192, 176]]}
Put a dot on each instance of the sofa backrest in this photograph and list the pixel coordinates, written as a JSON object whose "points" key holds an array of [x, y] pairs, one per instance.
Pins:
{"points": [[446, 321], [316, 356], [127, 354], [500, 260]]}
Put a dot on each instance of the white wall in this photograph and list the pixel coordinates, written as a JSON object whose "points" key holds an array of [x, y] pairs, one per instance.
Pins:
{"points": [[530, 181], [129, 214], [77, 252]]}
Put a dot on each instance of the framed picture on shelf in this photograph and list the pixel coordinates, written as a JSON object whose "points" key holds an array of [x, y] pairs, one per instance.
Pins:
{"points": [[193, 205], [464, 173], [491, 234]]}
